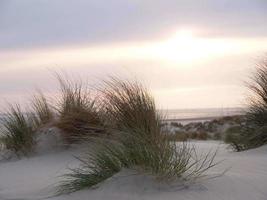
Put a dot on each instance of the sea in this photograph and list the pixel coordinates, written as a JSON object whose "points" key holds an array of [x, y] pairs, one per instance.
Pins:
{"points": [[193, 115], [200, 114]]}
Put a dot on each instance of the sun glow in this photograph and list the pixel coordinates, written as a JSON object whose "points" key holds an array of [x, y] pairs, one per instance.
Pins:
{"points": [[182, 49], [182, 37], [185, 48]]}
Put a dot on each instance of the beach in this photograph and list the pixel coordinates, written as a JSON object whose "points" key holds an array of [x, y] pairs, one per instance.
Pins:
{"points": [[133, 100], [34, 178]]}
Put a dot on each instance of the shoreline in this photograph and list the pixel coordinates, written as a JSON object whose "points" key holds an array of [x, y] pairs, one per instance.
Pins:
{"points": [[194, 118], [197, 119]]}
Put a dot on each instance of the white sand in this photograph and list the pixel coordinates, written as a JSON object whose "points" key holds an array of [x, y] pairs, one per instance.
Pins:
{"points": [[33, 178]]}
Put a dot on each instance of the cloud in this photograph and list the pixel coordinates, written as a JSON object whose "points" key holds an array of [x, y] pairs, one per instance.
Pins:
{"points": [[86, 37], [31, 23]]}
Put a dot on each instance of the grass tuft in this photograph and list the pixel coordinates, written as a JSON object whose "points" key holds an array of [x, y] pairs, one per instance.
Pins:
{"points": [[78, 111], [234, 136], [257, 113], [254, 132], [18, 131], [100, 163], [138, 142], [43, 112]]}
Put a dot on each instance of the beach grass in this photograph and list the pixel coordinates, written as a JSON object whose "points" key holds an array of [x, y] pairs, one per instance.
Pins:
{"points": [[18, 131], [254, 132], [77, 110], [43, 111], [138, 142], [100, 163], [257, 112]]}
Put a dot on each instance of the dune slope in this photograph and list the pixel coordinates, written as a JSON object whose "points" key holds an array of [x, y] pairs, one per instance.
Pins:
{"points": [[34, 178]]}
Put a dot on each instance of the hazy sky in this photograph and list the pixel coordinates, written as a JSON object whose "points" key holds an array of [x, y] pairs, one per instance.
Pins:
{"points": [[190, 53]]}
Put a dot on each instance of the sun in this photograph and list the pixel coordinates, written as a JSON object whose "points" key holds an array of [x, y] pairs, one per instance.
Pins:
{"points": [[182, 37], [185, 47], [180, 46]]}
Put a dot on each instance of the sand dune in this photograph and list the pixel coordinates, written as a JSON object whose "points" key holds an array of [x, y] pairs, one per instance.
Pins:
{"points": [[35, 178]]}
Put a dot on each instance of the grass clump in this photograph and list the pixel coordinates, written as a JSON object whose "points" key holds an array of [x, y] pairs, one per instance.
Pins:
{"points": [[43, 113], [254, 132], [138, 142], [100, 163], [78, 112], [257, 112], [18, 131], [235, 137], [19, 128]]}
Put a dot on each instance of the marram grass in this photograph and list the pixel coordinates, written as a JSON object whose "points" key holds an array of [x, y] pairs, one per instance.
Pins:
{"points": [[42, 111], [138, 142], [77, 110], [18, 131], [100, 163], [254, 132]]}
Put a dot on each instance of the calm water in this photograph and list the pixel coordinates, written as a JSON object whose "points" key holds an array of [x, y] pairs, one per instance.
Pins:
{"points": [[182, 115]]}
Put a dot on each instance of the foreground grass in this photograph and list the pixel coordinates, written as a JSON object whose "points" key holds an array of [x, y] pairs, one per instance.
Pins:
{"points": [[43, 112], [254, 132], [76, 114], [138, 142], [18, 131], [78, 111], [101, 162], [257, 113]]}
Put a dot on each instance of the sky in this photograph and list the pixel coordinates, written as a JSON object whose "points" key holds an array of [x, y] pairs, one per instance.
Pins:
{"points": [[189, 53]]}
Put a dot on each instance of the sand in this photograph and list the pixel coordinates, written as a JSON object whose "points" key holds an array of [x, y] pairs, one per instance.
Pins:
{"points": [[35, 178]]}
